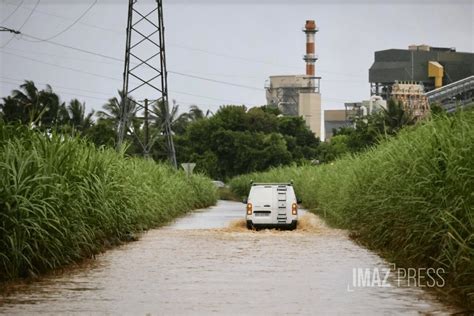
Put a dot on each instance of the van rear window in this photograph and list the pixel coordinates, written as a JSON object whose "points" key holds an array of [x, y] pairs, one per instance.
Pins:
{"points": [[262, 194]]}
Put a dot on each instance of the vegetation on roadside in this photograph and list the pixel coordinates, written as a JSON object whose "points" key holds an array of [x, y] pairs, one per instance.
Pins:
{"points": [[232, 141], [410, 197], [225, 193], [237, 140], [62, 199]]}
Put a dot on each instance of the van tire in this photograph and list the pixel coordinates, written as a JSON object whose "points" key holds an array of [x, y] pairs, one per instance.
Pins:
{"points": [[249, 225], [293, 225]]}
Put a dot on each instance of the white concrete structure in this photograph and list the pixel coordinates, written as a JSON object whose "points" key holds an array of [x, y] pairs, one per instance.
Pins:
{"points": [[299, 95], [309, 107]]}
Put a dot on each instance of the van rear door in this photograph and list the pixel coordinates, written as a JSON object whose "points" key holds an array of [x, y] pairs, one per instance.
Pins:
{"points": [[263, 199]]}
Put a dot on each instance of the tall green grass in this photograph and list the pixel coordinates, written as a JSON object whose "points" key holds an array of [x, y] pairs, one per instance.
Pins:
{"points": [[411, 197], [62, 199]]}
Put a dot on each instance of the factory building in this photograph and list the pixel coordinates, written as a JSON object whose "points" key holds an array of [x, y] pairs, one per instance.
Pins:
{"points": [[416, 77], [299, 95], [431, 67], [335, 119]]}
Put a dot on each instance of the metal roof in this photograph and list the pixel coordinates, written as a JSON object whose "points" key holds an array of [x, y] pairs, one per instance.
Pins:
{"points": [[412, 65]]}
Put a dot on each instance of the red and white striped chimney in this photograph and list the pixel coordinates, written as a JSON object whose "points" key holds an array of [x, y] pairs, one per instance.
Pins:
{"points": [[310, 30]]}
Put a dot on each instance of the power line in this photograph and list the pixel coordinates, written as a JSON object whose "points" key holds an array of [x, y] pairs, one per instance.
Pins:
{"points": [[13, 12], [230, 56], [228, 75], [117, 59], [24, 23], [178, 92], [72, 24], [6, 29], [204, 97], [111, 78], [73, 48], [35, 53], [171, 44], [65, 67], [246, 59], [66, 18], [114, 59], [213, 80], [115, 63], [37, 39]]}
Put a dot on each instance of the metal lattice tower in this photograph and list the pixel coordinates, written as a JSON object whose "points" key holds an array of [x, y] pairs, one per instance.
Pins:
{"points": [[145, 70]]}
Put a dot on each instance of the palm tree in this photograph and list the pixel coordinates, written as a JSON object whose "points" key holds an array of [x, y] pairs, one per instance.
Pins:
{"points": [[12, 112], [395, 117], [195, 113], [28, 101], [161, 114], [52, 105], [76, 115], [112, 109], [40, 108]]}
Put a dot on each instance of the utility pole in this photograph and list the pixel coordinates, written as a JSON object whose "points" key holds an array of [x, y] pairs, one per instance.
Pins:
{"points": [[169, 138], [145, 45], [147, 132]]}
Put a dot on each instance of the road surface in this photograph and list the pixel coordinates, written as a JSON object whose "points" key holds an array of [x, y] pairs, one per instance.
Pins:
{"points": [[208, 263]]}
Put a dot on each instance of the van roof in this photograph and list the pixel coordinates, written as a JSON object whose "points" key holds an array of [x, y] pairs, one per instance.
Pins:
{"points": [[272, 183]]}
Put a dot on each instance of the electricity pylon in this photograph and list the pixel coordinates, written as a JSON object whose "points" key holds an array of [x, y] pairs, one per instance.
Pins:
{"points": [[145, 45]]}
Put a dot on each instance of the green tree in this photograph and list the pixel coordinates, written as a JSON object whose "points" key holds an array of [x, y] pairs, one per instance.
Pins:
{"points": [[301, 141], [367, 131], [395, 117], [335, 148], [75, 115], [162, 112], [112, 110], [232, 118], [195, 113], [236, 140], [257, 119], [102, 133], [33, 107], [12, 111]]}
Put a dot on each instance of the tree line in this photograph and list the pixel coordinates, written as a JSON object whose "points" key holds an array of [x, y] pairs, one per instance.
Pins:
{"points": [[232, 141]]}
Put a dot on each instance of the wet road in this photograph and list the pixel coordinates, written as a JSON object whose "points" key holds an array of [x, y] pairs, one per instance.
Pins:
{"points": [[208, 263]]}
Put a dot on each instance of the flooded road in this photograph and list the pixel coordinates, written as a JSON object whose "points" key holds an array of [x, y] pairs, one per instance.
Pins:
{"points": [[208, 263]]}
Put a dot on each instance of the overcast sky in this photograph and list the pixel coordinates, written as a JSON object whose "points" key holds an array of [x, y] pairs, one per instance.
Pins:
{"points": [[240, 42]]}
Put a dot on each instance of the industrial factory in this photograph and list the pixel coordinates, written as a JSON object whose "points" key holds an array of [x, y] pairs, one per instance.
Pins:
{"points": [[300, 94], [421, 75], [432, 67], [417, 77]]}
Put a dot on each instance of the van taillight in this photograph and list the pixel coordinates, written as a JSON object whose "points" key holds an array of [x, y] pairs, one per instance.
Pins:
{"points": [[294, 209], [249, 208]]}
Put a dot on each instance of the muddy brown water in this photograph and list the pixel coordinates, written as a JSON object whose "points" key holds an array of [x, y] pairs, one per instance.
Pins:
{"points": [[209, 263]]}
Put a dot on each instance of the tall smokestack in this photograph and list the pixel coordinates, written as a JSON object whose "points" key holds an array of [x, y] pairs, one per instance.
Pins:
{"points": [[310, 29]]}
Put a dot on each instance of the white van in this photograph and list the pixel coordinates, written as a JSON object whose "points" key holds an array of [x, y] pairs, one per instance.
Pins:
{"points": [[272, 205]]}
